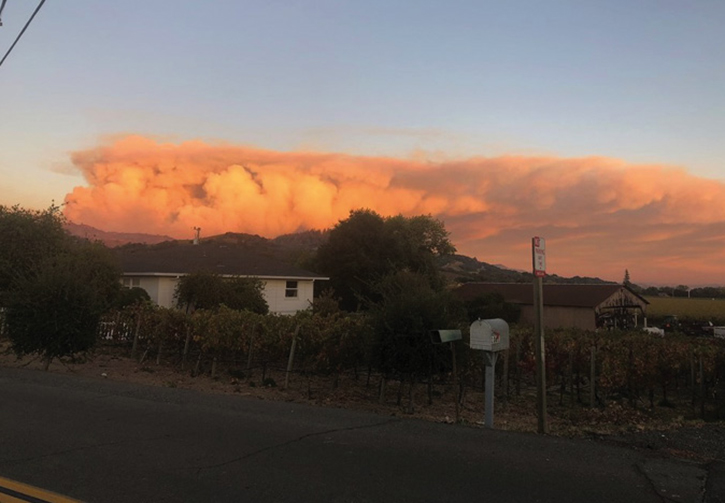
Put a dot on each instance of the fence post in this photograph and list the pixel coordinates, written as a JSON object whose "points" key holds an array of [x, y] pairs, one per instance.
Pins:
{"points": [[134, 347], [291, 359], [251, 345], [187, 342], [702, 389], [158, 355], [455, 382], [593, 377], [505, 376]]}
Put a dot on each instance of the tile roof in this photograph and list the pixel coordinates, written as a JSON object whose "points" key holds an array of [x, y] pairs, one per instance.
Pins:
{"points": [[554, 295], [219, 258]]}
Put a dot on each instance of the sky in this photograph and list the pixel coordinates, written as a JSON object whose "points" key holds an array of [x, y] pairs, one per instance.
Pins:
{"points": [[596, 125]]}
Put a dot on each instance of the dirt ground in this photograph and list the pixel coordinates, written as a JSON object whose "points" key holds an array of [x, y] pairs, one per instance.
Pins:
{"points": [[666, 431]]}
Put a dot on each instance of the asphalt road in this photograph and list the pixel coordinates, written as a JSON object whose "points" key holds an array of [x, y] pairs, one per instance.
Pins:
{"points": [[104, 441]]}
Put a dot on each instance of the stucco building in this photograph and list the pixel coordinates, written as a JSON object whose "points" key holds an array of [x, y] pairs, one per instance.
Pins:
{"points": [[579, 306]]}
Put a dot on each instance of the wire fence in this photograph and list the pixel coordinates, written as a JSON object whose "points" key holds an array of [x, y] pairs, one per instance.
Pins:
{"points": [[584, 369]]}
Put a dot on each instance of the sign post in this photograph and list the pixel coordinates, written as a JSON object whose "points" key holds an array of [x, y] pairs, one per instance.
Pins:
{"points": [[538, 255], [450, 336]]}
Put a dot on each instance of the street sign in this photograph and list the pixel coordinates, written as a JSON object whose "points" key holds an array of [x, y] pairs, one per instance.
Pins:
{"points": [[538, 252]]}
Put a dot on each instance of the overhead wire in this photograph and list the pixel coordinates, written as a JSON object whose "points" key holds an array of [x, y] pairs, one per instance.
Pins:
{"points": [[2, 6], [21, 31]]}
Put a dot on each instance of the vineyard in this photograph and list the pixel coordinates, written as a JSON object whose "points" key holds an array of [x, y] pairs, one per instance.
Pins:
{"points": [[689, 310], [587, 373]]}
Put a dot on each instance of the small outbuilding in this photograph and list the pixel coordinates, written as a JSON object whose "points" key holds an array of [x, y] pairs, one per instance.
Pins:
{"points": [[586, 307]]}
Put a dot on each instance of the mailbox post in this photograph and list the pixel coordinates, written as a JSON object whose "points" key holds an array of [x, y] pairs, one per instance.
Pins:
{"points": [[450, 336], [489, 336]]}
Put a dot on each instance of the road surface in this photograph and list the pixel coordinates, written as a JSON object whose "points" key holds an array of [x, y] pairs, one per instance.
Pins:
{"points": [[104, 441]]}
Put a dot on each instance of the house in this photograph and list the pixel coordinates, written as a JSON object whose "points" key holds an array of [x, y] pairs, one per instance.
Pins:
{"points": [[157, 269], [580, 306]]}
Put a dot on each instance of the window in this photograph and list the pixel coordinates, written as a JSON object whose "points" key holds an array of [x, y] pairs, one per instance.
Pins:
{"points": [[131, 282], [291, 289]]}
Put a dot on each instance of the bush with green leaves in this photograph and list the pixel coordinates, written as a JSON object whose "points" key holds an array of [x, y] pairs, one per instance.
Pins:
{"points": [[56, 305], [409, 308], [29, 238], [205, 290]]}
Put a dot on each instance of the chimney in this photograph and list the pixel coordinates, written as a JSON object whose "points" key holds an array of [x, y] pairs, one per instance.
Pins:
{"points": [[196, 236]]}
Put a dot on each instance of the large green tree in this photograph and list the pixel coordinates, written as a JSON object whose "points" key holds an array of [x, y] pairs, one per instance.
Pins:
{"points": [[366, 247]]}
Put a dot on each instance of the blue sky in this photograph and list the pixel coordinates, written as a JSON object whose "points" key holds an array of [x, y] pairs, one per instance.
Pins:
{"points": [[642, 81]]}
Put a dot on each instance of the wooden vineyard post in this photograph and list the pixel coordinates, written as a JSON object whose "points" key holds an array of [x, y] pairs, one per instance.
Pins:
{"points": [[291, 359], [505, 376], [702, 389], [251, 345], [455, 382], [134, 347], [187, 343], [593, 377]]}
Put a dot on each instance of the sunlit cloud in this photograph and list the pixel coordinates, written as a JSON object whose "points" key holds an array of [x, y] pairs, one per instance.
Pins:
{"points": [[599, 215]]}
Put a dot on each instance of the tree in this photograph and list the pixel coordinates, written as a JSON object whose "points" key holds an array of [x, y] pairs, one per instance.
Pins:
{"points": [[56, 305], [204, 290], [652, 291], [407, 310], [626, 281], [492, 305], [131, 296], [366, 247], [681, 291], [28, 238]]}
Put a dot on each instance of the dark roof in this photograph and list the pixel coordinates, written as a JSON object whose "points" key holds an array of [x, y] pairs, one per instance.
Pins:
{"points": [[554, 295], [219, 258]]}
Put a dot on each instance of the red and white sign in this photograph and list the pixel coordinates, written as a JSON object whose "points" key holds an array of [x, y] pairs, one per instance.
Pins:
{"points": [[538, 251]]}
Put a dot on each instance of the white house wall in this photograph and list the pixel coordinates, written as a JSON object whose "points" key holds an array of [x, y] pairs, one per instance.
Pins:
{"points": [[161, 290], [274, 294], [167, 288]]}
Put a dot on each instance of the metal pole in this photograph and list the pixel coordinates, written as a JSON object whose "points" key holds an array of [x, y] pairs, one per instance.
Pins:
{"points": [[543, 426], [490, 373]]}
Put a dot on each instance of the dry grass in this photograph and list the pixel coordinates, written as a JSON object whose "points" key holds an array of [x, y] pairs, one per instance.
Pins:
{"points": [[703, 310]]}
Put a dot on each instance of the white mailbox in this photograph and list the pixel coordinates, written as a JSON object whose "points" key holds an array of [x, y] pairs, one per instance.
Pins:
{"points": [[490, 335]]}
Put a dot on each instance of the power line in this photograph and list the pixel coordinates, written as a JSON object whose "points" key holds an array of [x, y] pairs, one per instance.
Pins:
{"points": [[21, 31], [2, 6]]}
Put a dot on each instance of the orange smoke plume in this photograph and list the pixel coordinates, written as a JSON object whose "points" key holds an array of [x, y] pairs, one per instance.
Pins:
{"points": [[599, 215]]}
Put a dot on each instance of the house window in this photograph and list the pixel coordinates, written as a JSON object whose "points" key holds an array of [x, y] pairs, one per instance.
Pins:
{"points": [[291, 289], [131, 282]]}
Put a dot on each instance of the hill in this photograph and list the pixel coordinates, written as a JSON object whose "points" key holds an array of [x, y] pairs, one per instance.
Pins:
{"points": [[463, 269], [113, 239], [299, 248]]}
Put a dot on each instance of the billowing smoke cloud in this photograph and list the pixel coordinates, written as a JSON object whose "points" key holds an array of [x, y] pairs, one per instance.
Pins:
{"points": [[599, 215]]}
